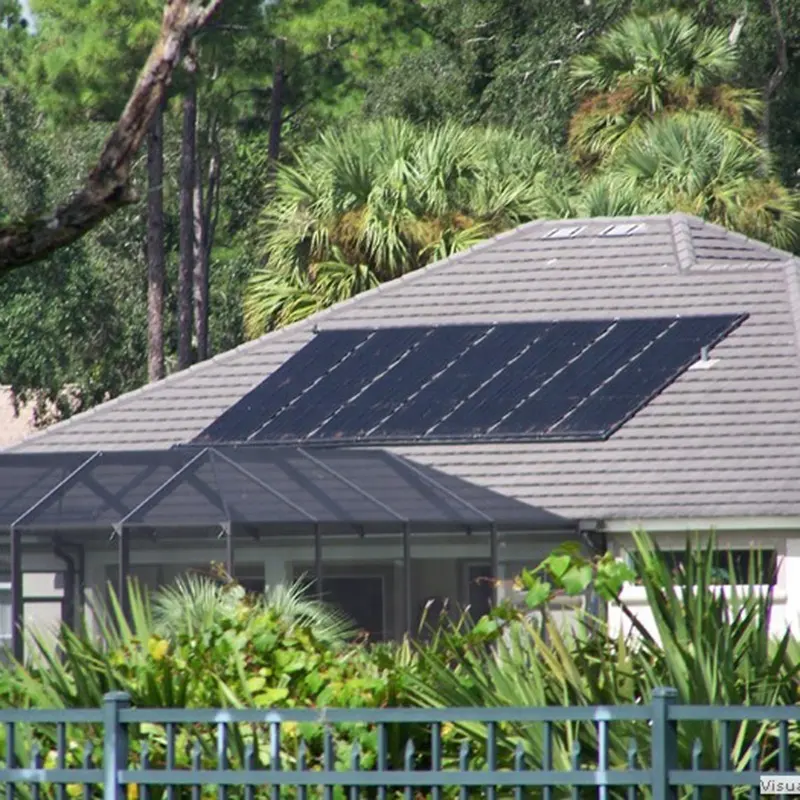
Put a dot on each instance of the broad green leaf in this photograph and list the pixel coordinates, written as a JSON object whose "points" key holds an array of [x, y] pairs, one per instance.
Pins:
{"points": [[256, 683], [538, 594], [576, 579], [557, 565], [271, 697]]}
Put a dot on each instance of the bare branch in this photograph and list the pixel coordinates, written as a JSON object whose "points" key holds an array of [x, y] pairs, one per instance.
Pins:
{"points": [[107, 187]]}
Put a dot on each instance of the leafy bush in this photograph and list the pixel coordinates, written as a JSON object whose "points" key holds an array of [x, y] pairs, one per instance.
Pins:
{"points": [[201, 644], [714, 647]]}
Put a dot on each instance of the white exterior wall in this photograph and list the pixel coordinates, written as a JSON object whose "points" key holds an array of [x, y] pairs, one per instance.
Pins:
{"points": [[786, 594], [41, 616]]}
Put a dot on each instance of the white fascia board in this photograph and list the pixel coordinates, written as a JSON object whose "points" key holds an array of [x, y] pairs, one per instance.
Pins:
{"points": [[696, 525]]}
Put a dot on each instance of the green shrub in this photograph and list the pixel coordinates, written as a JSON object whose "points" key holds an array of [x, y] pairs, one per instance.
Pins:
{"points": [[205, 645]]}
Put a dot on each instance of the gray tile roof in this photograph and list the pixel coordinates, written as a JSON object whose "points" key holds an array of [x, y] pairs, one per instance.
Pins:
{"points": [[723, 441]]}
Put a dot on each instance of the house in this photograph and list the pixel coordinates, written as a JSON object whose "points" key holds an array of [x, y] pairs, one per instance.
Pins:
{"points": [[694, 423]]}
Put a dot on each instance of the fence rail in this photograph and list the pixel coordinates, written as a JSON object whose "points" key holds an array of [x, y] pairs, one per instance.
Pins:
{"points": [[660, 750]]}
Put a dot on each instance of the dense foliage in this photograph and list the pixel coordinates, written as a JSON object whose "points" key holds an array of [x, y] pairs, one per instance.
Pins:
{"points": [[381, 199], [204, 644], [343, 142]]}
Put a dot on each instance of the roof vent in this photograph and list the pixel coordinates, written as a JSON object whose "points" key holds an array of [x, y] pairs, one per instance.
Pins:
{"points": [[564, 233], [705, 361], [623, 229]]}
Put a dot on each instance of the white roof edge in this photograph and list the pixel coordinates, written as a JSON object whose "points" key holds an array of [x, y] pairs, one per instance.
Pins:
{"points": [[699, 524]]}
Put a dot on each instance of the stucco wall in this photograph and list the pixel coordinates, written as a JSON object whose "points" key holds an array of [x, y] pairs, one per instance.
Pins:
{"points": [[786, 594]]}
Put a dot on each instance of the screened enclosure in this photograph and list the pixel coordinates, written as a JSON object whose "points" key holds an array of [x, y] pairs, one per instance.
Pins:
{"points": [[67, 503]]}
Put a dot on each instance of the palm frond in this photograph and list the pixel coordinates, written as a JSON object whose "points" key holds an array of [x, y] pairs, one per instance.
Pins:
{"points": [[293, 603], [646, 66], [696, 162], [371, 201]]}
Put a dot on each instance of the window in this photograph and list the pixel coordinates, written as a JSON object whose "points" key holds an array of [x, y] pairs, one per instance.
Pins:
{"points": [[251, 578], [361, 598], [479, 589], [360, 595], [762, 564]]}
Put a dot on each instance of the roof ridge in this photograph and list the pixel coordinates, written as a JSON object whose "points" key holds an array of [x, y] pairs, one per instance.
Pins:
{"points": [[792, 273], [730, 234], [682, 242]]}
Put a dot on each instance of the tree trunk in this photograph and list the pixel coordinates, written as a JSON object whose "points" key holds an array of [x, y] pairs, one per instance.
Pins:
{"points": [[200, 286], [212, 201], [106, 188], [186, 221], [276, 105], [212, 195], [777, 76], [155, 248]]}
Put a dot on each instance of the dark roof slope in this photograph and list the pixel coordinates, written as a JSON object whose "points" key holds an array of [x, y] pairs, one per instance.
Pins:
{"points": [[723, 441], [275, 489]]}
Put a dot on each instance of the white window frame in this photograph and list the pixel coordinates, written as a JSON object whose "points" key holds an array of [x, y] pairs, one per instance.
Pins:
{"points": [[5, 609]]}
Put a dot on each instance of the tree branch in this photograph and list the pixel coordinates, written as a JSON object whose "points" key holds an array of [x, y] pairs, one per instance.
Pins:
{"points": [[107, 187]]}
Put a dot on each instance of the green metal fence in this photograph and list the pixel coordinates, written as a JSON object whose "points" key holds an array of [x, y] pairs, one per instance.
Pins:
{"points": [[604, 751]]}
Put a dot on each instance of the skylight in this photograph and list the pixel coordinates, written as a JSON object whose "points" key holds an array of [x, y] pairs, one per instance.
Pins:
{"points": [[622, 230], [564, 233]]}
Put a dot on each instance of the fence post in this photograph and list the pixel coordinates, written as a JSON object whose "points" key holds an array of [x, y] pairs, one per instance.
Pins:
{"points": [[664, 743], [115, 744]]}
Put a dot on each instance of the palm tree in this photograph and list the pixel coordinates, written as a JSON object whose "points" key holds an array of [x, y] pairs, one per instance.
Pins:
{"points": [[376, 200], [196, 603], [695, 162], [648, 66]]}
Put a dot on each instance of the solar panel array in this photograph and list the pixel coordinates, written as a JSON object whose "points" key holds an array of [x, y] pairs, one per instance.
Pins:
{"points": [[566, 380]]}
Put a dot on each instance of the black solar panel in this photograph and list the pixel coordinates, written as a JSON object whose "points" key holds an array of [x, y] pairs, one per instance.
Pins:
{"points": [[579, 379]]}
